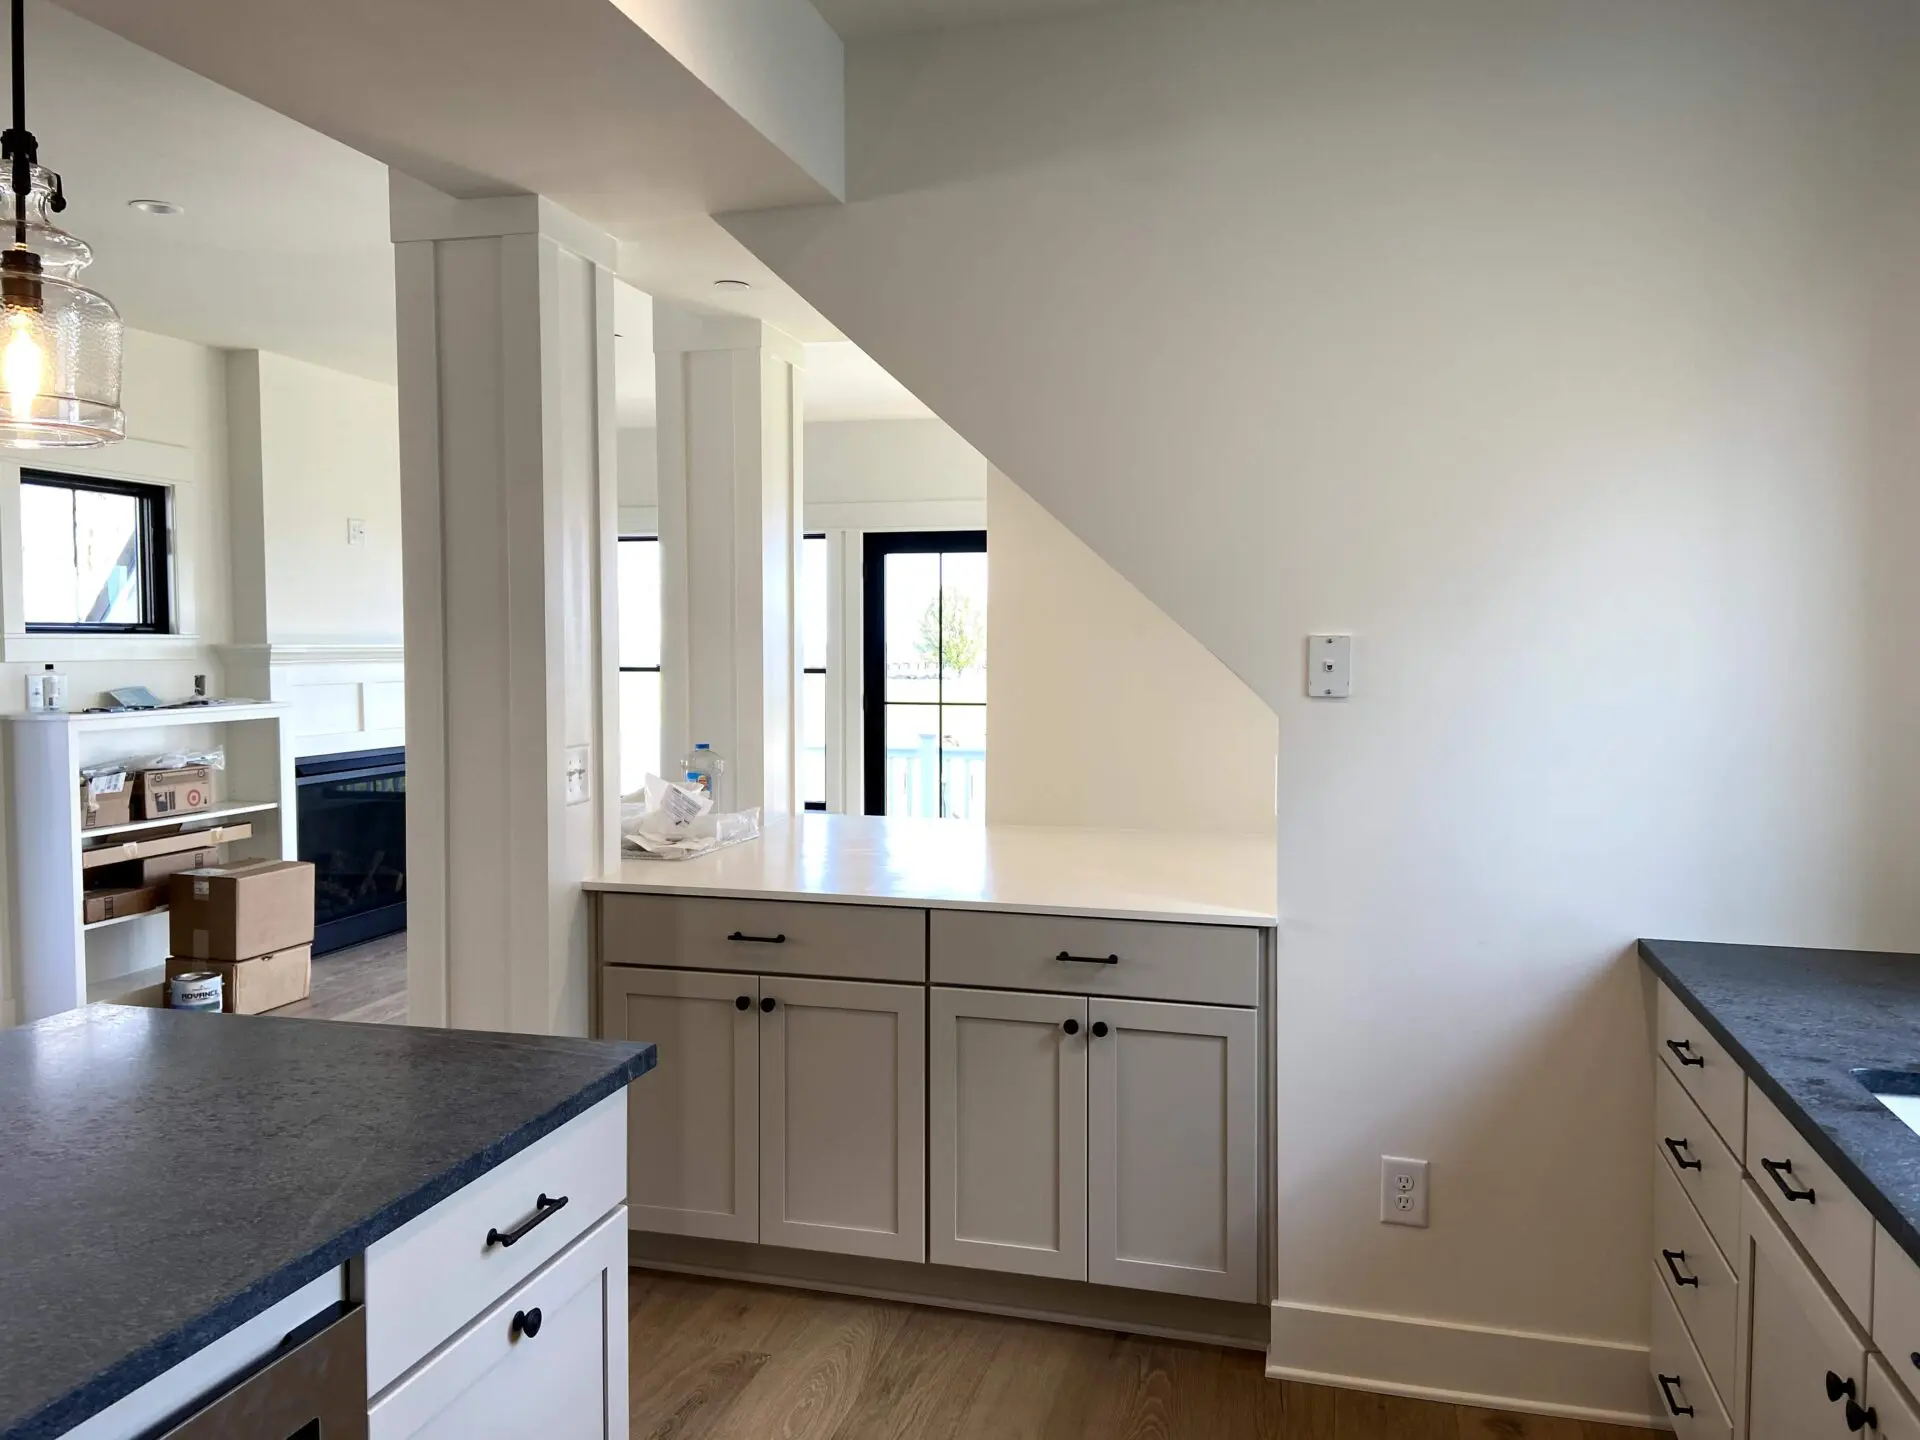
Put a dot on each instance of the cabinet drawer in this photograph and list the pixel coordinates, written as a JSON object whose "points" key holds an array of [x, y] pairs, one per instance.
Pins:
{"points": [[1138, 960], [1698, 1277], [440, 1269], [1833, 1226], [550, 1359], [1705, 1168], [766, 937], [1703, 1066], [1685, 1395], [1896, 1307]]}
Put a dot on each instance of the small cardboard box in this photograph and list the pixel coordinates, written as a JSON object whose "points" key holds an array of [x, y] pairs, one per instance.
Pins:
{"points": [[235, 912], [160, 793], [154, 870], [251, 987], [106, 800], [122, 901]]}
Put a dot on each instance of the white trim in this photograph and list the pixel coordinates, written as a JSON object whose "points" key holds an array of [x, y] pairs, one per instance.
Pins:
{"points": [[1563, 1375], [350, 652], [417, 211], [81, 648], [865, 515]]}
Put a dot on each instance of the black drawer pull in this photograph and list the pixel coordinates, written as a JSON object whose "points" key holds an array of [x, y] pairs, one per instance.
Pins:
{"points": [[1778, 1168], [1684, 1049], [544, 1210], [1675, 1147], [1838, 1389], [743, 939], [1858, 1419], [1667, 1382], [1673, 1259], [1072, 1027], [525, 1322], [1066, 959]]}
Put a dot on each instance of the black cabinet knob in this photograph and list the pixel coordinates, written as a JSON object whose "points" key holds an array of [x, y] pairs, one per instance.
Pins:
{"points": [[1861, 1419], [525, 1322], [1838, 1389], [1072, 1027], [744, 1002], [767, 1004], [1100, 1027]]}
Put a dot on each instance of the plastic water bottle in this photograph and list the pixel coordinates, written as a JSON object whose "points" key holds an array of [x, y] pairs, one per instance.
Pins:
{"points": [[705, 767]]}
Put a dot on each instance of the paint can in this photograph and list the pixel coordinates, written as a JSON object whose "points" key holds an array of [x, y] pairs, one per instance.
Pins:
{"points": [[201, 990]]}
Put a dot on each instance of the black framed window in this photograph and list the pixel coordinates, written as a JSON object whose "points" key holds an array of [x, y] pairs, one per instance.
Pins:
{"points": [[814, 613], [95, 555], [925, 654], [638, 588]]}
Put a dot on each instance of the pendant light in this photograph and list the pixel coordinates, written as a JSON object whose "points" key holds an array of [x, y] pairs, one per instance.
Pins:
{"points": [[59, 341]]}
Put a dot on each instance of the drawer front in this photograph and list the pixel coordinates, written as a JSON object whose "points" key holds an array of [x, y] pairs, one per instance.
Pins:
{"points": [[1701, 1282], [550, 1359], [1825, 1218], [440, 1269], [1693, 1150], [1894, 1415], [765, 937], [1703, 1066], [1896, 1307], [1683, 1392], [1136, 960]]}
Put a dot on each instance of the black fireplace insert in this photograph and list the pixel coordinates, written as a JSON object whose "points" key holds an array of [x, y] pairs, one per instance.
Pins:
{"points": [[353, 827]]}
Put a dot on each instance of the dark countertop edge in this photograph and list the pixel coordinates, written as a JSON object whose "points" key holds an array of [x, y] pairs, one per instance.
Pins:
{"points": [[151, 1361], [1851, 1175]]}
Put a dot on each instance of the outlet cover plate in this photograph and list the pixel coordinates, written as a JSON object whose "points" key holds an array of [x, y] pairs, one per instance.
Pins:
{"points": [[579, 758], [1330, 667], [1403, 1191]]}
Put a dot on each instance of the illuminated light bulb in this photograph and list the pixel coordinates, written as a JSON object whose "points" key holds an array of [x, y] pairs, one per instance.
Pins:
{"points": [[22, 366]]}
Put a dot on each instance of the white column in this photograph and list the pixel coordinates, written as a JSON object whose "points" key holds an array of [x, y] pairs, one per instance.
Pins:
{"points": [[505, 312], [729, 402]]}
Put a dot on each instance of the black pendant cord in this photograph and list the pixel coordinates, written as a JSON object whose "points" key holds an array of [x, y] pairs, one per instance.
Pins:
{"points": [[18, 144]]}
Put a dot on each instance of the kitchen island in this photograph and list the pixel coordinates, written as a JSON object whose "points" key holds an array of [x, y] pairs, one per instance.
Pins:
{"points": [[178, 1191]]}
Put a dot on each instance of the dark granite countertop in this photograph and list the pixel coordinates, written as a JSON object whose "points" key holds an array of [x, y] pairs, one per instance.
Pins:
{"points": [[1799, 1022], [165, 1175]]}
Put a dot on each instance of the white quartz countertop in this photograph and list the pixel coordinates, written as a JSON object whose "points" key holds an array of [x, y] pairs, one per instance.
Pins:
{"points": [[948, 864]]}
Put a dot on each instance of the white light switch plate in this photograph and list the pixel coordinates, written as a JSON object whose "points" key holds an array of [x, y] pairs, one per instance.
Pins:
{"points": [[356, 532], [579, 758], [1330, 666]]}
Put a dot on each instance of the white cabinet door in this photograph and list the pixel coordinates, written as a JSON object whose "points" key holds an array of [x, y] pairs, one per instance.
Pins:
{"points": [[1173, 1134], [549, 1360], [693, 1120], [1804, 1359], [1007, 1160], [1890, 1415], [843, 1117]]}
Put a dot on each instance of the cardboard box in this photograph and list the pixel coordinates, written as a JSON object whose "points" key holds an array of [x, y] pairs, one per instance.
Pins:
{"points": [[191, 842], [121, 901], [106, 800], [235, 912], [155, 870], [251, 987], [160, 793]]}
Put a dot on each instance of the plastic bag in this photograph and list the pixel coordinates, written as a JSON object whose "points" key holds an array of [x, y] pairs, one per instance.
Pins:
{"points": [[676, 820]]}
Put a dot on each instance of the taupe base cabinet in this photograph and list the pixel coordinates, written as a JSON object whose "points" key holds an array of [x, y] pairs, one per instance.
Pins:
{"points": [[1063, 1097]]}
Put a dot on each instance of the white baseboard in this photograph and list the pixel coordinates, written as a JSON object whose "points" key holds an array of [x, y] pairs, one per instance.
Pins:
{"points": [[1560, 1375]]}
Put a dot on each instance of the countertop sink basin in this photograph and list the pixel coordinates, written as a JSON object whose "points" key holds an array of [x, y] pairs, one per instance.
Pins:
{"points": [[1898, 1090]]}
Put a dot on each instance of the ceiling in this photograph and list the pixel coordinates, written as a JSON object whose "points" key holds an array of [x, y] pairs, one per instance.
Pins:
{"points": [[858, 19]]}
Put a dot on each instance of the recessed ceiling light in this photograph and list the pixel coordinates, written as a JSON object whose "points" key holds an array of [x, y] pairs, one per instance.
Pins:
{"points": [[155, 207], [732, 285]]}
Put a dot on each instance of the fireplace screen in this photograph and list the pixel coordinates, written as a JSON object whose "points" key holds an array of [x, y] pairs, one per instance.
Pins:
{"points": [[353, 827]]}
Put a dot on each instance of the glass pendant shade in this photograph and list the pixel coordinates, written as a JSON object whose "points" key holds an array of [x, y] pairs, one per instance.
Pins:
{"points": [[59, 341]]}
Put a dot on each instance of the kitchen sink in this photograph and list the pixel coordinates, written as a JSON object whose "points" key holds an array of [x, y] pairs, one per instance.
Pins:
{"points": [[1898, 1090]]}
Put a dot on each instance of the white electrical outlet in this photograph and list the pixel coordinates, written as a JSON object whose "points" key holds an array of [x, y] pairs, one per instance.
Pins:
{"points": [[579, 790], [1403, 1191]]}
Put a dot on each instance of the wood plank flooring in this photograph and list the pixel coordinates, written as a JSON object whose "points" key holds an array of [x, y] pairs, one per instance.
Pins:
{"points": [[363, 982], [718, 1360]]}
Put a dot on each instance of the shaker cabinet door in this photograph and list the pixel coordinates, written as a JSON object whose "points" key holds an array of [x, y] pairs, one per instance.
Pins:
{"points": [[1804, 1360], [693, 1121], [1007, 1158]]}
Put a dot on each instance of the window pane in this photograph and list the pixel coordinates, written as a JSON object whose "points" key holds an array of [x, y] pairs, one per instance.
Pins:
{"points": [[639, 728], [813, 739], [963, 757], [813, 603], [913, 760], [912, 601], [963, 603], [46, 542], [106, 530], [639, 583]]}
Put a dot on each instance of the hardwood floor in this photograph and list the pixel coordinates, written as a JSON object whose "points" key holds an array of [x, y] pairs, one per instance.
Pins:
{"points": [[717, 1360], [363, 982]]}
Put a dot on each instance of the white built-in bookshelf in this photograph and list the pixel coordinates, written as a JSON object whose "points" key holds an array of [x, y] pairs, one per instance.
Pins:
{"points": [[59, 961]]}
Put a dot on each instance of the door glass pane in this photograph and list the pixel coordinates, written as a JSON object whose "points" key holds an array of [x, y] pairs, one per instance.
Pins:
{"points": [[963, 608], [639, 728], [639, 588], [912, 619], [813, 739], [813, 603], [913, 760], [963, 761]]}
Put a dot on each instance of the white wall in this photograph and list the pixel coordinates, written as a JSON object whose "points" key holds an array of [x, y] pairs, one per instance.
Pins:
{"points": [[1101, 712], [1566, 355]]}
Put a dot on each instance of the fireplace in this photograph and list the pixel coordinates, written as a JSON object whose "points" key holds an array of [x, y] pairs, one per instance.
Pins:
{"points": [[353, 827]]}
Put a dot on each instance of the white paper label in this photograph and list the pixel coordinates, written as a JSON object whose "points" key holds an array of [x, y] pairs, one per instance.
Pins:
{"points": [[107, 784]]}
